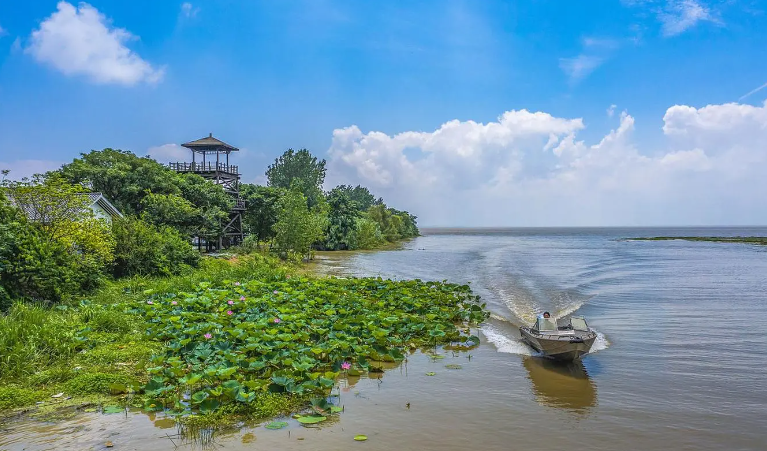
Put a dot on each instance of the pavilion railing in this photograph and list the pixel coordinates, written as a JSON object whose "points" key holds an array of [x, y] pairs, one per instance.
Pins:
{"points": [[204, 167]]}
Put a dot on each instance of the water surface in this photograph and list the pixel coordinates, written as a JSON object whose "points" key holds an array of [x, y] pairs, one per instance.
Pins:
{"points": [[680, 363]]}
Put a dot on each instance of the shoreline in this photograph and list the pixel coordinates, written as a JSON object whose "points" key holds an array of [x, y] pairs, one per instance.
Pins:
{"points": [[756, 240]]}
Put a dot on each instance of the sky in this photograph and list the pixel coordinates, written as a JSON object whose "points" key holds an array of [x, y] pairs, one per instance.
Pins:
{"points": [[465, 113]]}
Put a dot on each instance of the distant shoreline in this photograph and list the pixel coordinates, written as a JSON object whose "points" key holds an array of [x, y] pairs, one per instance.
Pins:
{"points": [[758, 240]]}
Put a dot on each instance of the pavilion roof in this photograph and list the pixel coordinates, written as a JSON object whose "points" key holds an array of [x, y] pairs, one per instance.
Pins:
{"points": [[209, 143]]}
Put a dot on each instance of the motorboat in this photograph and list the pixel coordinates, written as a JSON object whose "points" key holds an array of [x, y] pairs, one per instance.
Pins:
{"points": [[564, 339]]}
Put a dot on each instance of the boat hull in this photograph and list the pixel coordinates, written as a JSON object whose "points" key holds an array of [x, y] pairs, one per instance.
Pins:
{"points": [[559, 347]]}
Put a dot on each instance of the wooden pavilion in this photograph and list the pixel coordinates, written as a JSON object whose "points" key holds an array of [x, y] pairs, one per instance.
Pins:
{"points": [[219, 171]]}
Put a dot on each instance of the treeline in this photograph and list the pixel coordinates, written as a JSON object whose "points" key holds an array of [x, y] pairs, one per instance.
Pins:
{"points": [[52, 246], [294, 216]]}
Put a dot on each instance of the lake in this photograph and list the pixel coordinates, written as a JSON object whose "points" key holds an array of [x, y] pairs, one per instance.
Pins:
{"points": [[680, 362]]}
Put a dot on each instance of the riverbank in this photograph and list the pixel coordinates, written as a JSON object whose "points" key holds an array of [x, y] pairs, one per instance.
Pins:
{"points": [[248, 337], [758, 240]]}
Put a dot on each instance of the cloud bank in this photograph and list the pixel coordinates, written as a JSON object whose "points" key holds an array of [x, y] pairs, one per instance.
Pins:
{"points": [[82, 41], [530, 169]]}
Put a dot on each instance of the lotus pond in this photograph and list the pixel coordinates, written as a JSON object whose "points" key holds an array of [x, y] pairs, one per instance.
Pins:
{"points": [[233, 342]]}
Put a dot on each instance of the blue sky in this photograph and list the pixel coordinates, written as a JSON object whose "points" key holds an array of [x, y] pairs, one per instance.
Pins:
{"points": [[266, 75]]}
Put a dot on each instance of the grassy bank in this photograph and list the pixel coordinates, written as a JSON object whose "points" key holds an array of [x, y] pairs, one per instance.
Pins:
{"points": [[249, 336], [758, 240]]}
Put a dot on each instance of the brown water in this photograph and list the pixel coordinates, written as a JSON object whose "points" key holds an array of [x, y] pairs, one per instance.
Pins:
{"points": [[680, 363]]}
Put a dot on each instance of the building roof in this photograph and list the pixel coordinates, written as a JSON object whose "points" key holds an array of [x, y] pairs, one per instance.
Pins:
{"points": [[209, 144], [98, 198], [33, 214]]}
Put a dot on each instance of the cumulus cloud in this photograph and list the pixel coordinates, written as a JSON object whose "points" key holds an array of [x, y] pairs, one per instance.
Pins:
{"points": [[82, 41], [611, 110], [168, 153], [530, 169]]}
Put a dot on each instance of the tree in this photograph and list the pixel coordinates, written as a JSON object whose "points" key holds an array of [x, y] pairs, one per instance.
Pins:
{"points": [[127, 180], [121, 176], [171, 210], [342, 220], [301, 168], [262, 206], [360, 195], [394, 224], [148, 249], [297, 227], [366, 235], [53, 245]]}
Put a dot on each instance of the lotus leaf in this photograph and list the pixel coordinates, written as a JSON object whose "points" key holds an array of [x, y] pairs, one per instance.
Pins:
{"points": [[311, 419], [276, 425], [360, 438]]}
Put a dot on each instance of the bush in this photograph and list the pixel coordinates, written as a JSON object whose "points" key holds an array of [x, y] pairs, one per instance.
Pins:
{"points": [[146, 249]]}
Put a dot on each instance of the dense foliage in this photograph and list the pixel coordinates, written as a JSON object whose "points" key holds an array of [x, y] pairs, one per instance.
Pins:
{"points": [[300, 169], [148, 249], [229, 341], [52, 244], [298, 227], [140, 186], [262, 205]]}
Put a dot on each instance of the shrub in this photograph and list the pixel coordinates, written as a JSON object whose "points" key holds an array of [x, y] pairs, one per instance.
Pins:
{"points": [[146, 249]]}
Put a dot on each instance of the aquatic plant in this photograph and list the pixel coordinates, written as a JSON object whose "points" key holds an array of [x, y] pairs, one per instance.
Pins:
{"points": [[292, 335]]}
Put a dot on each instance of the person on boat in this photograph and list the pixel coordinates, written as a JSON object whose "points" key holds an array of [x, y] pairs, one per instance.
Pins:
{"points": [[546, 315]]}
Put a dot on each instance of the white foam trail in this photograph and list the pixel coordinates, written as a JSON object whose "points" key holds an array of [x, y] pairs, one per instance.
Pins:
{"points": [[503, 343]]}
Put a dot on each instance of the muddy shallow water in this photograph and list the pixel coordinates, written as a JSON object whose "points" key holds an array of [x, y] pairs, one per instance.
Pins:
{"points": [[673, 368]]}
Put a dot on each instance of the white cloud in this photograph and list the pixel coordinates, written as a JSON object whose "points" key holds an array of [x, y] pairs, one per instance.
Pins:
{"points": [[581, 66], [82, 41], [611, 110], [168, 153], [600, 42], [530, 169], [27, 168], [16, 46], [189, 11], [680, 15]]}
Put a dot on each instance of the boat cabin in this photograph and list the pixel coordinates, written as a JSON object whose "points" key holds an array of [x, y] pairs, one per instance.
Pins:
{"points": [[567, 323]]}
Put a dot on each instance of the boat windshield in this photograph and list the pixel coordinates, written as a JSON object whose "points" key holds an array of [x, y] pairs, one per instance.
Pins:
{"points": [[545, 324], [578, 323]]}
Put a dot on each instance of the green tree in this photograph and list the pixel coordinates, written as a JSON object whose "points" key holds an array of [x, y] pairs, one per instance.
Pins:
{"points": [[301, 168], [148, 249], [121, 176], [53, 245], [298, 227], [342, 220], [126, 180], [366, 235], [262, 205], [360, 195]]}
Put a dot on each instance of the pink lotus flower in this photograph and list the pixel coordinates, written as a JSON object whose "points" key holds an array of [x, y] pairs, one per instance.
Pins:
{"points": [[174, 303], [345, 366], [287, 277], [229, 312], [149, 302], [208, 336], [237, 283], [276, 292], [277, 320], [230, 302], [242, 298]]}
